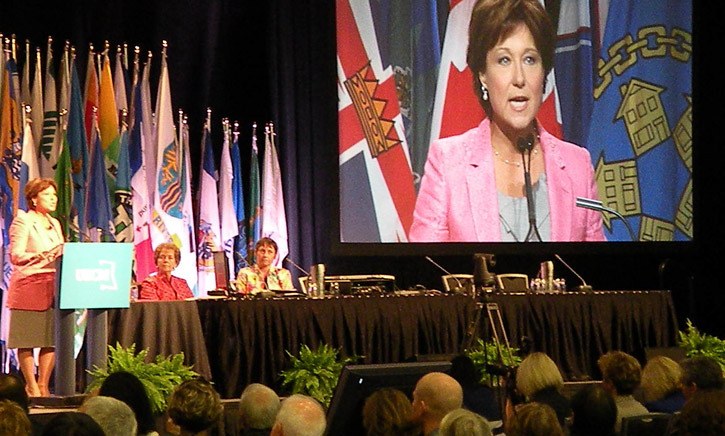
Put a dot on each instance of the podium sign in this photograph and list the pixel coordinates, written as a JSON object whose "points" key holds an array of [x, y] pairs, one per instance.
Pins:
{"points": [[95, 275]]}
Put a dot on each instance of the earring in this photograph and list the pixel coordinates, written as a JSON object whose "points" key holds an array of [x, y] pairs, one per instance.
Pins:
{"points": [[484, 92]]}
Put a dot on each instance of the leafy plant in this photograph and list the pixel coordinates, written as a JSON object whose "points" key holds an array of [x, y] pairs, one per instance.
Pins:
{"points": [[315, 372], [696, 343], [159, 377], [485, 356]]}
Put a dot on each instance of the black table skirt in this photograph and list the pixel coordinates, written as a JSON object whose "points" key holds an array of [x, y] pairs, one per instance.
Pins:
{"points": [[246, 340]]}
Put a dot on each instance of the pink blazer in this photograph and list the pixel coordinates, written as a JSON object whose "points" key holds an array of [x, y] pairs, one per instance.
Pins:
{"points": [[458, 201], [32, 283]]}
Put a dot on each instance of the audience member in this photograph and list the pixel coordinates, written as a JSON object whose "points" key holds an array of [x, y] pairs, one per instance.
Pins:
{"points": [[700, 373], [299, 415], [595, 412], [387, 412], [194, 406], [702, 415], [128, 388], [533, 419], [72, 424], [477, 397], [621, 375], [12, 388], [114, 416], [462, 422], [434, 396], [258, 407], [538, 379], [14, 421], [661, 385]]}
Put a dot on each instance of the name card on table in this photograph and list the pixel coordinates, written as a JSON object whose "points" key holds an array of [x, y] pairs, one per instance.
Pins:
{"points": [[95, 275]]}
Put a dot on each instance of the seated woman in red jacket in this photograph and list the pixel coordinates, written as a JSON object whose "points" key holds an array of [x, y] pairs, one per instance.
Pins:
{"points": [[163, 286]]}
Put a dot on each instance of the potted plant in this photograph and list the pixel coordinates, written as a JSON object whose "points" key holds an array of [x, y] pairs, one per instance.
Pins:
{"points": [[314, 372], [159, 377], [492, 361], [696, 343]]}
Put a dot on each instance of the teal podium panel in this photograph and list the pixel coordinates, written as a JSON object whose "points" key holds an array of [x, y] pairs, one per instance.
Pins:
{"points": [[95, 275]]}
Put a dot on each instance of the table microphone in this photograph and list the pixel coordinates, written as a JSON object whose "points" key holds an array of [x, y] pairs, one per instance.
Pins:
{"points": [[459, 288], [297, 266], [581, 288]]}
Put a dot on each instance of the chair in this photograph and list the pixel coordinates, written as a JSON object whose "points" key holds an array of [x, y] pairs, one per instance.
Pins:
{"points": [[650, 424], [459, 283], [512, 282]]}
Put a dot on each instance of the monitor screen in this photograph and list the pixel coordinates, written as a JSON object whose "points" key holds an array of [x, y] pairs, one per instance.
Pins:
{"points": [[357, 382], [416, 158]]}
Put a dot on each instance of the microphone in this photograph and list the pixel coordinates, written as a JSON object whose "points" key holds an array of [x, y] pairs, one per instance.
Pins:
{"points": [[458, 288], [581, 288], [525, 145], [297, 266], [588, 203]]}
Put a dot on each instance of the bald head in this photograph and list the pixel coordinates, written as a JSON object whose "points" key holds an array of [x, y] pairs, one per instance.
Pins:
{"points": [[300, 415], [438, 394], [258, 407]]}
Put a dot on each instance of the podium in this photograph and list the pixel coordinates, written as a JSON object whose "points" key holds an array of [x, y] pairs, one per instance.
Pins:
{"points": [[93, 276]]}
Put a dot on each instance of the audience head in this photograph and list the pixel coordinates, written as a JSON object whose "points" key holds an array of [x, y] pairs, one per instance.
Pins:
{"points": [[14, 421], [386, 412], [703, 414], [195, 406], [114, 416], [533, 419], [595, 412], [537, 372], [72, 424], [700, 373], [258, 407], [434, 396], [128, 388], [12, 388], [620, 371], [464, 370], [300, 415], [462, 422], [660, 377]]}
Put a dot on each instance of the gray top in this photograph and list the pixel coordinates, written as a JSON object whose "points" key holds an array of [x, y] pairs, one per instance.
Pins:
{"points": [[514, 215]]}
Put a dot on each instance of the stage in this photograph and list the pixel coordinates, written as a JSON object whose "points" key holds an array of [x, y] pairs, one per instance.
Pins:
{"points": [[237, 342]]}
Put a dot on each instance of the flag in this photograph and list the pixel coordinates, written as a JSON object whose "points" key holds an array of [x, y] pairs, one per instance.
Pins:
{"points": [[274, 218], [119, 84], [574, 62], [11, 135], [64, 181], [25, 76], [122, 204], [187, 210], [227, 214], [254, 203], [168, 224], [148, 130], [36, 102], [640, 136], [99, 218], [108, 122], [29, 160], [208, 226], [377, 192], [75, 136], [143, 250], [240, 242], [50, 142], [90, 95]]}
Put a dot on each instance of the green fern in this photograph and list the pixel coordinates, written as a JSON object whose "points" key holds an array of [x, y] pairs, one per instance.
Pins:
{"points": [[159, 378], [696, 343], [314, 372], [486, 353]]}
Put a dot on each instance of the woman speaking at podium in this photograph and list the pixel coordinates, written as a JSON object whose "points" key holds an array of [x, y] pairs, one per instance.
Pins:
{"points": [[36, 240], [263, 275], [475, 184]]}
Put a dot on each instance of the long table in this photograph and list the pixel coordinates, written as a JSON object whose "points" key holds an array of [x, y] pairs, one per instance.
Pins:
{"points": [[247, 340]]}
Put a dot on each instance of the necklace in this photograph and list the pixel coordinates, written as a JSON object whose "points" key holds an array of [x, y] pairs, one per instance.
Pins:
{"points": [[510, 162]]}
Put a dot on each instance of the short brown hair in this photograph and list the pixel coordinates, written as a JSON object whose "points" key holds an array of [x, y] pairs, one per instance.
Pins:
{"points": [[195, 406], [494, 20], [14, 420], [386, 412], [622, 370], [167, 246], [269, 242], [534, 419], [35, 187]]}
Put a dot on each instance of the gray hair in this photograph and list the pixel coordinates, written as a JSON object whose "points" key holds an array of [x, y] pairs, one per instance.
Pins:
{"points": [[114, 416], [258, 407], [300, 415]]}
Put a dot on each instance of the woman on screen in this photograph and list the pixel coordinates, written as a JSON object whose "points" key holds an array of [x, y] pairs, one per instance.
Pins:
{"points": [[36, 240], [263, 275], [163, 286], [474, 186]]}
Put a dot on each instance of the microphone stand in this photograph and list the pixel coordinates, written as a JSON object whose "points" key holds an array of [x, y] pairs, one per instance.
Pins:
{"points": [[525, 145], [588, 203], [459, 288]]}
